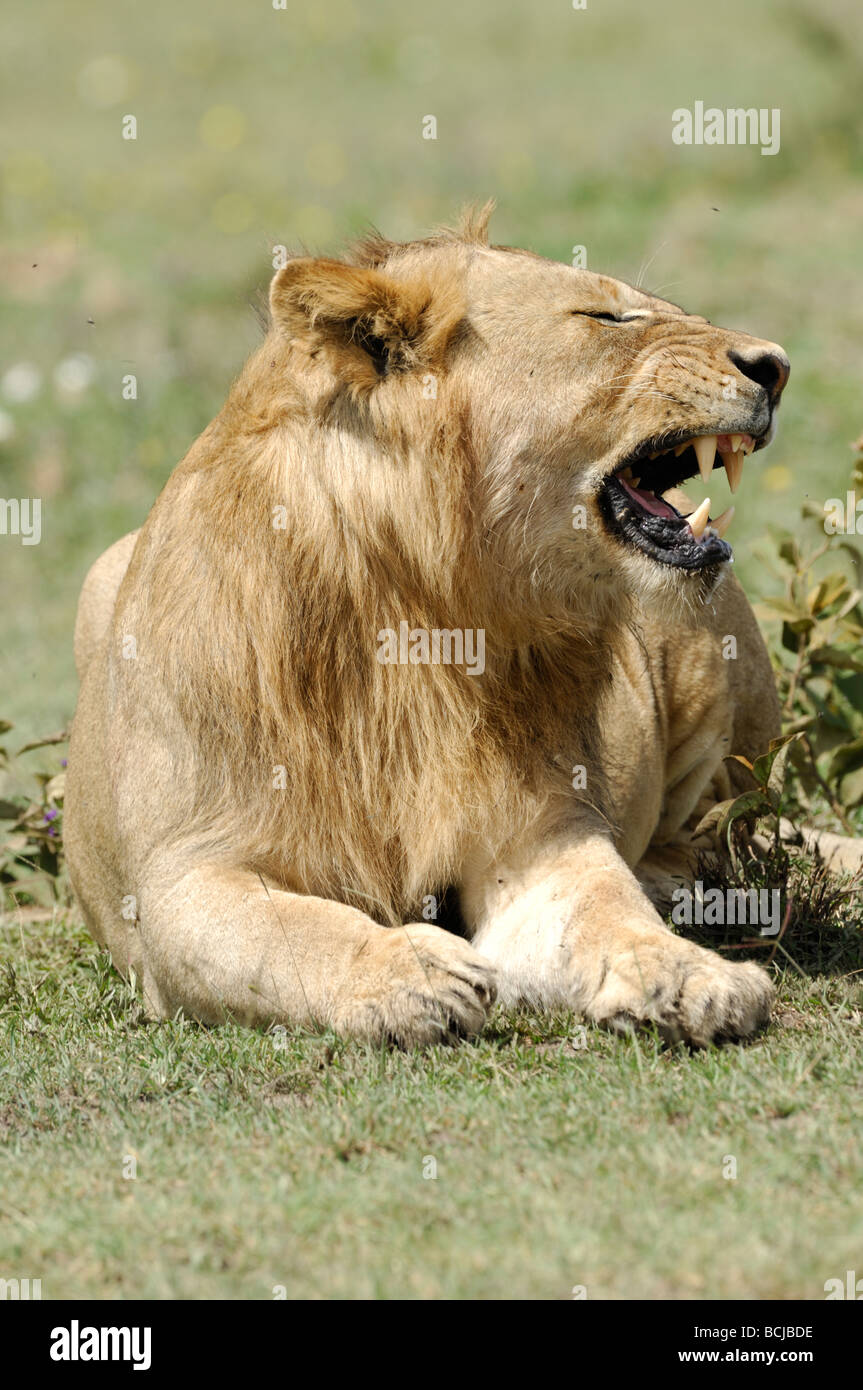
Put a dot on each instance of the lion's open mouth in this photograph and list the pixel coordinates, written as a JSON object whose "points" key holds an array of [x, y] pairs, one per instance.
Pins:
{"points": [[635, 508]]}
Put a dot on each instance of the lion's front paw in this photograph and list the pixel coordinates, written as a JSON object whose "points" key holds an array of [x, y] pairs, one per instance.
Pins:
{"points": [[416, 985], [688, 992]]}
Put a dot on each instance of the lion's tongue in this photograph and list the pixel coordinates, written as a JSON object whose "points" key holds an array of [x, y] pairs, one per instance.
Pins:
{"points": [[649, 501]]}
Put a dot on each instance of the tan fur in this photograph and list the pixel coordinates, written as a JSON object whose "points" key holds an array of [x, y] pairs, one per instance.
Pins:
{"points": [[408, 444]]}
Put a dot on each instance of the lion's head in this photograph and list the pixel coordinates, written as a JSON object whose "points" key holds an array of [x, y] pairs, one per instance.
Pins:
{"points": [[569, 404]]}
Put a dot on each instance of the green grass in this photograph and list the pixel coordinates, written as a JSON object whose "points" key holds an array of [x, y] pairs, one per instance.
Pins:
{"points": [[298, 1160], [557, 1166]]}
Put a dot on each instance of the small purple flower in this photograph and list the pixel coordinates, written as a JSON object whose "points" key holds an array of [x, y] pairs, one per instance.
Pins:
{"points": [[49, 816], [51, 830], [64, 762]]}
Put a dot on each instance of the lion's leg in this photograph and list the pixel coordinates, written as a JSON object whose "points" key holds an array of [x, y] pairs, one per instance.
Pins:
{"points": [[98, 595], [570, 926], [714, 686], [219, 944], [840, 853], [665, 869]]}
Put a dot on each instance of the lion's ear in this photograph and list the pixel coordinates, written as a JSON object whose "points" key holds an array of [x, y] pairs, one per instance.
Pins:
{"points": [[371, 323]]}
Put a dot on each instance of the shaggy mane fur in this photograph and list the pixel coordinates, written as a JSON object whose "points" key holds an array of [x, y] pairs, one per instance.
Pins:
{"points": [[373, 249]]}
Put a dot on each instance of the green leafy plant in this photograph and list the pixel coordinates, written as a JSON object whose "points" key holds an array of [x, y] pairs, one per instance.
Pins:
{"points": [[819, 658], [765, 800], [31, 833]]}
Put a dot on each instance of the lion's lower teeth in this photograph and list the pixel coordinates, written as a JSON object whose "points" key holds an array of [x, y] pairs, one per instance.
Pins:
{"points": [[699, 518]]}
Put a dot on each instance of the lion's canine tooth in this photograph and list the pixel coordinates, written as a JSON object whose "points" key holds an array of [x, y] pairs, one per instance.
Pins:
{"points": [[698, 519], [736, 441], [680, 448], [734, 469], [722, 523], [705, 452]]}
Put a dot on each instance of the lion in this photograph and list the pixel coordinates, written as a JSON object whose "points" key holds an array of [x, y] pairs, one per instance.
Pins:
{"points": [[283, 764]]}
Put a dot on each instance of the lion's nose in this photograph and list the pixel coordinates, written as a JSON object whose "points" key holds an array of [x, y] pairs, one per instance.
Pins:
{"points": [[769, 367]]}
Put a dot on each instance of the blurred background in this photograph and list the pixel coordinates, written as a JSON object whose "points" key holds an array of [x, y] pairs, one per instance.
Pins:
{"points": [[258, 126]]}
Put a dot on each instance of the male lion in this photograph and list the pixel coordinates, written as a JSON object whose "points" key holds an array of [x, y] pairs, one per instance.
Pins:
{"points": [[277, 759]]}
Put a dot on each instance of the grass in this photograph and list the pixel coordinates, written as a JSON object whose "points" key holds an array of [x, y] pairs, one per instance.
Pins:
{"points": [[564, 1157], [557, 1165]]}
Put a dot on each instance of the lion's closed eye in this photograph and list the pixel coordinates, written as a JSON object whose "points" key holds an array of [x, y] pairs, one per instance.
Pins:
{"points": [[602, 316]]}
